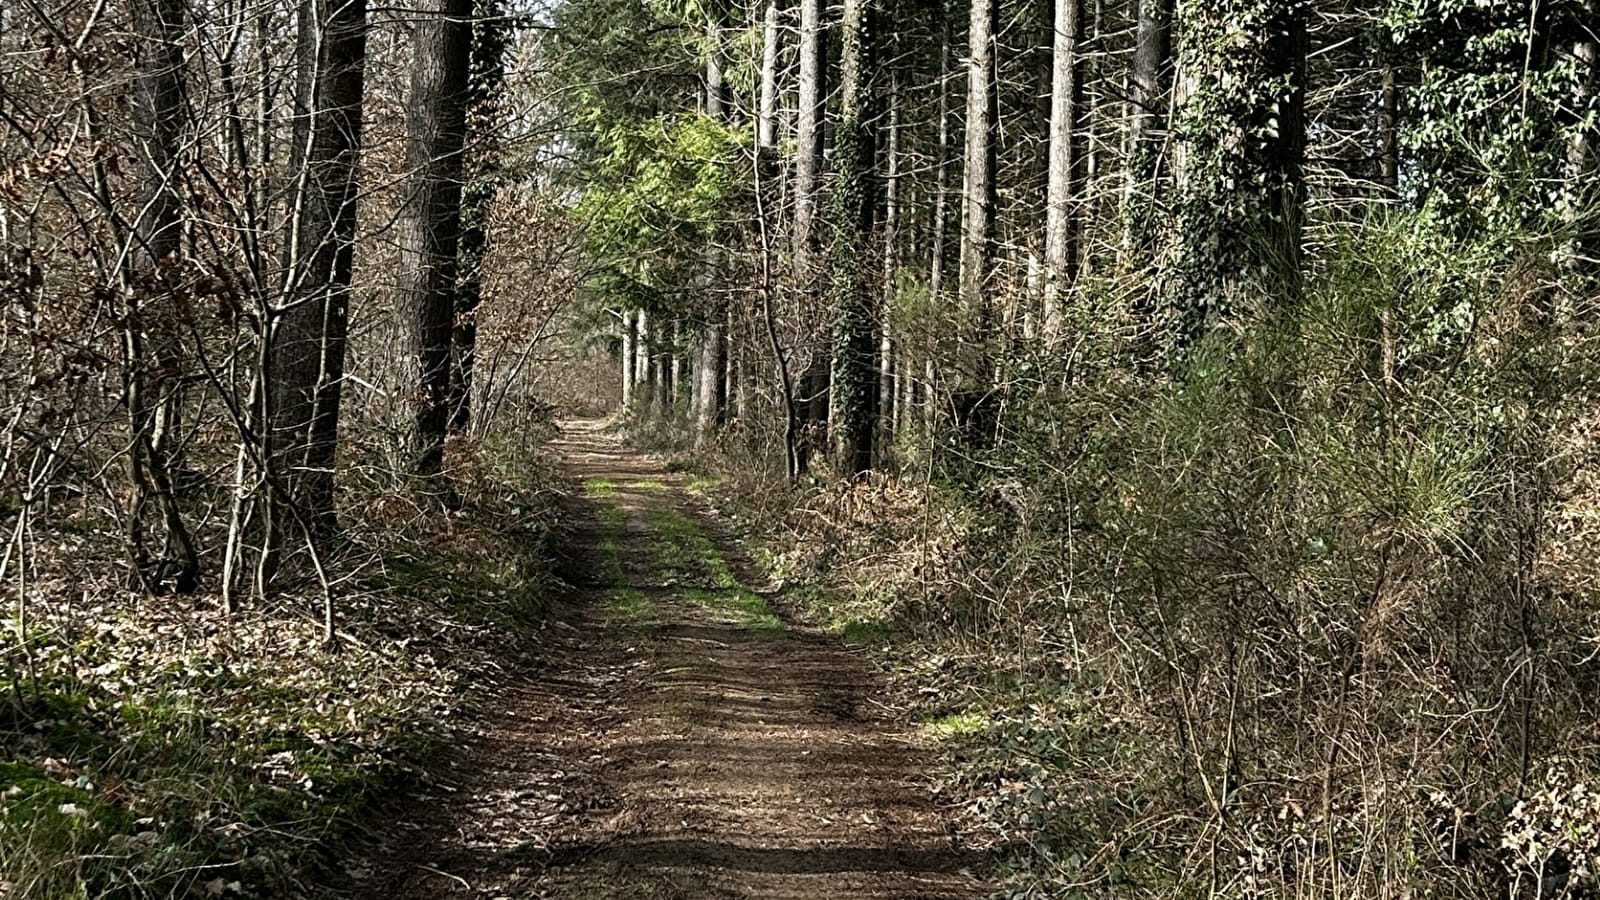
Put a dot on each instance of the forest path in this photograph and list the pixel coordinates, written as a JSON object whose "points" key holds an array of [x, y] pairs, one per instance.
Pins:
{"points": [[682, 740]]}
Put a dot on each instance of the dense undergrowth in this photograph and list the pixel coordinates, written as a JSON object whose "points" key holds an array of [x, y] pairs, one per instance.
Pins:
{"points": [[1309, 613], [152, 747]]}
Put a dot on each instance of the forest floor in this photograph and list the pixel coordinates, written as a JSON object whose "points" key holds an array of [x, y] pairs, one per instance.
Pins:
{"points": [[683, 736]]}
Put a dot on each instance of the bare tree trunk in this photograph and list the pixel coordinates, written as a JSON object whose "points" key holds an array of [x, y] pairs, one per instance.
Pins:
{"points": [[1388, 136], [303, 368], [710, 356], [808, 167], [888, 358], [644, 349], [977, 220], [429, 228], [941, 217], [1147, 99], [767, 112], [1062, 189], [629, 337], [155, 317]]}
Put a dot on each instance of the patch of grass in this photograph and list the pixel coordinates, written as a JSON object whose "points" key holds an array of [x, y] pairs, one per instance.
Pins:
{"points": [[630, 605], [955, 724], [863, 631], [701, 484], [687, 555], [614, 517], [744, 606], [682, 549], [50, 833], [599, 488]]}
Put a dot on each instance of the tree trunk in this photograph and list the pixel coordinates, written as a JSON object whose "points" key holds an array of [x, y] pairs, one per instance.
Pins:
{"points": [[1388, 136], [767, 112], [853, 390], [1148, 102], [888, 358], [1062, 194], [813, 404], [429, 227], [1243, 201], [941, 219], [977, 222], [487, 70], [629, 335], [710, 356], [304, 359], [155, 318]]}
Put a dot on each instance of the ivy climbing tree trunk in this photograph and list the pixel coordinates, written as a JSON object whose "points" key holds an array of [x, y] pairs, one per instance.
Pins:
{"points": [[1243, 124], [481, 163], [429, 227], [853, 388]]}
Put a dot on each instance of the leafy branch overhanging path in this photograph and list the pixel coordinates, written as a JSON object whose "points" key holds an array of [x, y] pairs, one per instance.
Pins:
{"points": [[681, 741]]}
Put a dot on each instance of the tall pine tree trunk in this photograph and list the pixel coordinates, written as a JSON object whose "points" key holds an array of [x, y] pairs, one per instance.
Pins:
{"points": [[974, 367], [940, 227], [888, 355], [1147, 99], [1062, 188], [807, 173], [429, 227], [710, 356]]}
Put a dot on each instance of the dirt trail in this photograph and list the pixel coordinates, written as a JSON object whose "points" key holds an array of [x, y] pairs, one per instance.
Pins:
{"points": [[682, 741]]}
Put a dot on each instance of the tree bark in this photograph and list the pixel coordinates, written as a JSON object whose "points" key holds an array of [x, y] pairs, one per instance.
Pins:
{"points": [[888, 358], [708, 397], [629, 336], [767, 111], [305, 354], [813, 406], [853, 388], [1388, 135], [941, 218], [1062, 193], [155, 319], [977, 221], [978, 190], [486, 81], [1152, 64], [429, 227], [1243, 199]]}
